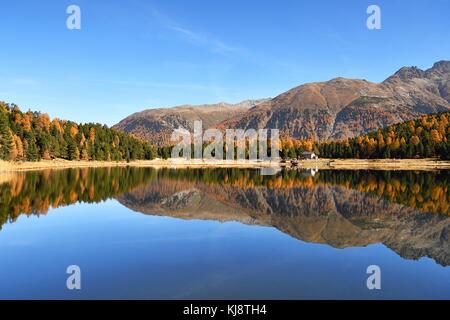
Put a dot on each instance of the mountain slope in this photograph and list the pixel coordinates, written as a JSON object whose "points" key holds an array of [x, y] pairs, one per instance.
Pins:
{"points": [[157, 125], [343, 108], [332, 110]]}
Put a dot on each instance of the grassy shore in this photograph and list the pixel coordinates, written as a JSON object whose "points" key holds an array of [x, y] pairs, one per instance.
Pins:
{"points": [[157, 163], [348, 164], [376, 164]]}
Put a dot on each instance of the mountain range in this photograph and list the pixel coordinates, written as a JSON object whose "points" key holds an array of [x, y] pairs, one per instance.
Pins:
{"points": [[333, 110], [156, 125]]}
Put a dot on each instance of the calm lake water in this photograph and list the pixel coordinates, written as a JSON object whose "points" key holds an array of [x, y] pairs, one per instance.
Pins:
{"points": [[224, 233]]}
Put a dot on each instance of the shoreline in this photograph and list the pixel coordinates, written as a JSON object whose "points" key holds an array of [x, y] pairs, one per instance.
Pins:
{"points": [[386, 164], [9, 166], [336, 164]]}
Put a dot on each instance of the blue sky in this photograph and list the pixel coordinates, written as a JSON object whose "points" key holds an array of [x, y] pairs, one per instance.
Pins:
{"points": [[138, 54]]}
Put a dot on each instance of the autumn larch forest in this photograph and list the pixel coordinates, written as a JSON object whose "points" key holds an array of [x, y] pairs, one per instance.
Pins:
{"points": [[32, 136]]}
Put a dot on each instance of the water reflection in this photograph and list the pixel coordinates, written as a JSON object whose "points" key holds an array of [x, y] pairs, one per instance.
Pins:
{"points": [[407, 211]]}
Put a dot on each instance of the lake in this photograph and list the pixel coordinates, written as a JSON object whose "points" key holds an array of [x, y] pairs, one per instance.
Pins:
{"points": [[224, 234]]}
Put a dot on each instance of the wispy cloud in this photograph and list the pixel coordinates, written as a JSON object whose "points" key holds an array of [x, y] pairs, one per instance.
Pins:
{"points": [[163, 85], [214, 45], [201, 39]]}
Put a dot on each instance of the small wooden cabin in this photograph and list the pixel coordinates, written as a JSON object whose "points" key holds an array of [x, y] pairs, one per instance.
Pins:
{"points": [[309, 156]]}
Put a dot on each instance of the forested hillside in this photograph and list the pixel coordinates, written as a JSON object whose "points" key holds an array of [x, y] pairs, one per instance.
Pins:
{"points": [[425, 137], [33, 136]]}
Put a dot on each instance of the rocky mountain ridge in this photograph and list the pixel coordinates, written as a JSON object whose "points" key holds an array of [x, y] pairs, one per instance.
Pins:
{"points": [[333, 110]]}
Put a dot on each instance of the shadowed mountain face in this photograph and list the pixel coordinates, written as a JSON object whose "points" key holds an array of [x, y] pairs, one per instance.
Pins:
{"points": [[336, 109], [409, 211]]}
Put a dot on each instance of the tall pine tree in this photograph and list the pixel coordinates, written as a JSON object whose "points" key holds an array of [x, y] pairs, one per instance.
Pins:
{"points": [[6, 139]]}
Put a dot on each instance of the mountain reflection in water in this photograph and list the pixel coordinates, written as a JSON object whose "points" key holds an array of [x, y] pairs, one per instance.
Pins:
{"points": [[406, 211]]}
